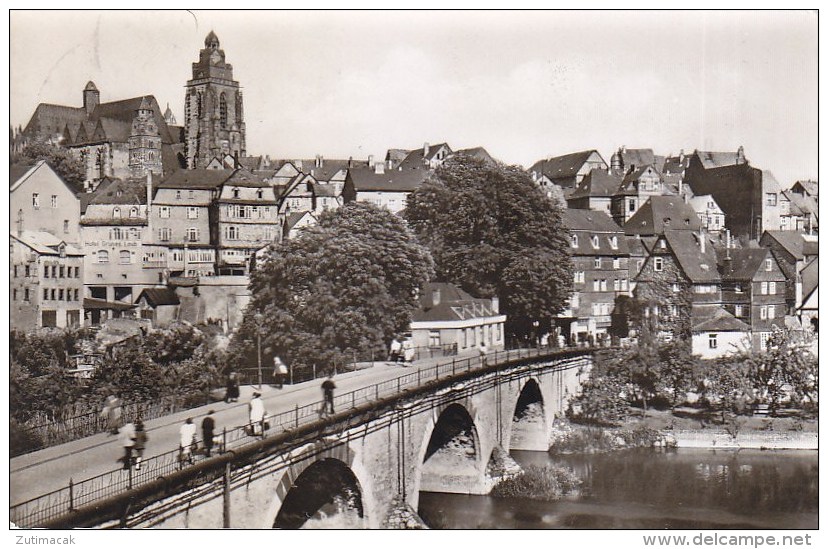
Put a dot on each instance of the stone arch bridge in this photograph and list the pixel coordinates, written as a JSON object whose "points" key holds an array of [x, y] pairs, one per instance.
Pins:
{"points": [[369, 464]]}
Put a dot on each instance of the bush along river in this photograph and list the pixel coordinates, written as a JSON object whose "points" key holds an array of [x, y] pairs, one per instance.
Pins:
{"points": [[643, 488]]}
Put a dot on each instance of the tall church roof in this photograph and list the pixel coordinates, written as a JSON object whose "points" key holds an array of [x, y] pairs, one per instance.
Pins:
{"points": [[211, 37], [90, 86]]}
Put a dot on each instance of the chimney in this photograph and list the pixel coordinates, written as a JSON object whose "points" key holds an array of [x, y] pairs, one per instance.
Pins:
{"points": [[91, 97], [496, 305], [740, 155], [318, 160], [350, 162], [149, 203], [426, 148], [370, 160], [798, 291], [379, 167], [727, 241], [435, 297], [681, 157]]}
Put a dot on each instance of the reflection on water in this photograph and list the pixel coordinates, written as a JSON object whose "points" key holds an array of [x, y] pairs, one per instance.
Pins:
{"points": [[651, 489]]}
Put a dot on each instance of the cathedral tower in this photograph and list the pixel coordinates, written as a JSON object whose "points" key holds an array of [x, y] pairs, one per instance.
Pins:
{"points": [[213, 113], [144, 142]]}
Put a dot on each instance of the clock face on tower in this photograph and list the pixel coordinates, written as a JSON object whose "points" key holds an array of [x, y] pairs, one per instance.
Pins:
{"points": [[215, 57]]}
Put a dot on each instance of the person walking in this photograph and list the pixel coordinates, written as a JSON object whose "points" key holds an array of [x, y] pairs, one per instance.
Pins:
{"points": [[279, 372], [257, 414], [140, 443], [112, 413], [408, 351], [328, 387], [208, 425], [483, 351], [126, 436], [232, 394], [394, 350], [187, 441]]}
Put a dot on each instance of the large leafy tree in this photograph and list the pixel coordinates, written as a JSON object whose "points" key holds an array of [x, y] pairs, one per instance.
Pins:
{"points": [[62, 161], [345, 286], [493, 232]]}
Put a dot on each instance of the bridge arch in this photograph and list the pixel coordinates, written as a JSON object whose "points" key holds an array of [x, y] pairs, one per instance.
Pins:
{"points": [[529, 424], [330, 481]]}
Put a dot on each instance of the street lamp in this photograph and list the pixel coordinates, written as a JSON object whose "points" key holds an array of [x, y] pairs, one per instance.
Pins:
{"points": [[259, 319]]}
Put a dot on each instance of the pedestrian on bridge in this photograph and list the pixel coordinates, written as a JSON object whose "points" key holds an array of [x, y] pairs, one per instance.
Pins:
{"points": [[483, 350], [232, 394], [394, 350], [140, 443], [257, 415], [126, 435], [280, 372], [112, 413], [187, 442], [208, 425], [328, 387]]}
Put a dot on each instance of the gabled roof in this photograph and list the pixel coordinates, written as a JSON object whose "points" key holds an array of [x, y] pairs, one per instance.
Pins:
{"points": [[561, 167], [117, 191], [793, 242], [18, 170], [598, 183], [589, 220], [416, 157], [479, 153], [743, 264], [698, 266], [45, 243], [699, 203], [294, 218], [802, 204], [195, 179], [159, 296], [455, 304], [245, 178], [395, 180], [21, 178], [638, 158], [769, 182], [711, 159], [675, 164], [810, 277], [630, 182], [636, 246], [661, 213], [810, 187], [713, 318]]}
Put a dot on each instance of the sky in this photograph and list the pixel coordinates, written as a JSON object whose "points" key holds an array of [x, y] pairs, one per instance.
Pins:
{"points": [[524, 85]]}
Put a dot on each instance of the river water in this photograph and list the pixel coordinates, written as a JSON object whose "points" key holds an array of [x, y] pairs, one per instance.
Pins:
{"points": [[653, 489]]}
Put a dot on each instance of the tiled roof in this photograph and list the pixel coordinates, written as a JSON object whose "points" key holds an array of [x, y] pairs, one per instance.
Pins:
{"points": [[598, 183], [294, 218], [560, 167], [802, 204], [810, 187], [93, 303], [195, 179], [712, 318], [700, 267], [810, 277], [394, 180], [675, 164], [44, 243], [117, 191], [322, 189], [415, 157], [743, 264], [589, 220], [662, 213], [711, 159], [244, 178], [455, 304], [699, 203], [18, 170], [769, 182], [637, 158], [159, 296], [793, 242]]}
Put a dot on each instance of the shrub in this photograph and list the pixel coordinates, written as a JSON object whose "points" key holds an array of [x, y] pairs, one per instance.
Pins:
{"points": [[546, 483]]}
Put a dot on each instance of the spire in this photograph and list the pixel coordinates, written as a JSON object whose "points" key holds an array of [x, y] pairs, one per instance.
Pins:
{"points": [[146, 104], [212, 41], [90, 86]]}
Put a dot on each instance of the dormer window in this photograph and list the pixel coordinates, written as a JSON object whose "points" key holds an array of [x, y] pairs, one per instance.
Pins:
{"points": [[662, 244], [595, 243], [178, 195], [133, 212], [259, 194], [574, 240], [236, 192], [116, 213], [613, 242]]}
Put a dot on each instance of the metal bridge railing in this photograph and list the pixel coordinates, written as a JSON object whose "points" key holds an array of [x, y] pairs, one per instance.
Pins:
{"points": [[30, 513]]}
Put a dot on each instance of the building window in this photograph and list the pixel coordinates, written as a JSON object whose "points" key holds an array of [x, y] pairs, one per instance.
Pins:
{"points": [[191, 194], [36, 201], [771, 311], [60, 295], [45, 294], [192, 213], [164, 212], [192, 234], [579, 277], [103, 256], [771, 288], [117, 233], [434, 338], [616, 263], [595, 243], [574, 240], [25, 294], [596, 285], [658, 264], [76, 294], [763, 340], [27, 270], [62, 271], [713, 341], [616, 285], [178, 195], [232, 233], [768, 264], [763, 312], [54, 201], [236, 192], [124, 257], [675, 287], [673, 310], [597, 263], [631, 205], [763, 288], [77, 272], [770, 199], [164, 234], [739, 311], [46, 271], [53, 295], [65, 226], [116, 212], [259, 194]]}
